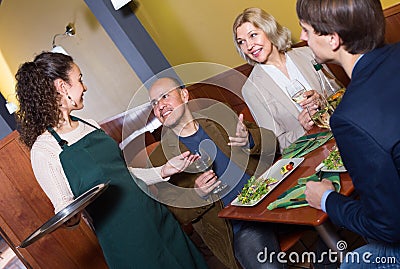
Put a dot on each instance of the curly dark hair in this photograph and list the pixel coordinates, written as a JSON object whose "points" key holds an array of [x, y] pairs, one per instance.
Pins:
{"points": [[37, 95]]}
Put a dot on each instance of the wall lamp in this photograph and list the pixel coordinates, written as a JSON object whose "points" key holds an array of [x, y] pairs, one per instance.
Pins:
{"points": [[69, 31], [117, 4], [11, 106]]}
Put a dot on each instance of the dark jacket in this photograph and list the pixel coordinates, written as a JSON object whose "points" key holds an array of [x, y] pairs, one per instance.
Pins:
{"points": [[366, 126]]}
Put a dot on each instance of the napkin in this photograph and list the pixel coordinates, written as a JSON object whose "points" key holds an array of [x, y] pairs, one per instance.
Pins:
{"points": [[294, 197], [306, 144]]}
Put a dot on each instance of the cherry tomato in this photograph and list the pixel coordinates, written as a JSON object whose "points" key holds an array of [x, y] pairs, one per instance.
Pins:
{"points": [[289, 166]]}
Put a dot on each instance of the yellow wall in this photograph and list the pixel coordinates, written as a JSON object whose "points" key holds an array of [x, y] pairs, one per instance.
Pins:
{"points": [[7, 81], [186, 31], [190, 31], [389, 3]]}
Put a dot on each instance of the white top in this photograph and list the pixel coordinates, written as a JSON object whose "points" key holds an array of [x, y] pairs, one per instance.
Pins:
{"points": [[282, 81], [49, 173]]}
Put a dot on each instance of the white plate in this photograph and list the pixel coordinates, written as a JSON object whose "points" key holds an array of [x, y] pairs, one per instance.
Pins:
{"points": [[275, 172], [323, 168], [340, 169]]}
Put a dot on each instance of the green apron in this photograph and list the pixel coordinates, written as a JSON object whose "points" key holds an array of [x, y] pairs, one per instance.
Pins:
{"points": [[134, 231]]}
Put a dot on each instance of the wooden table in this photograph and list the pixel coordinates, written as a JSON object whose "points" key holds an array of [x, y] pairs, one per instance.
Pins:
{"points": [[298, 216]]}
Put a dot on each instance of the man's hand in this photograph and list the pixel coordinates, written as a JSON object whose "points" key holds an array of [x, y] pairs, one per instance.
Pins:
{"points": [[178, 164], [205, 183], [242, 135], [315, 190]]}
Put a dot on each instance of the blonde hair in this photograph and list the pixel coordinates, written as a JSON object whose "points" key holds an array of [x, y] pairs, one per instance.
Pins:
{"points": [[279, 36]]}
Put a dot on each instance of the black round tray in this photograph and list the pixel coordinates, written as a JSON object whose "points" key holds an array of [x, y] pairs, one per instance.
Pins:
{"points": [[65, 214]]}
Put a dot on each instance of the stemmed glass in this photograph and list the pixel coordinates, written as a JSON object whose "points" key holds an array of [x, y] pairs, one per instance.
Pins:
{"points": [[322, 116], [296, 91], [205, 163]]}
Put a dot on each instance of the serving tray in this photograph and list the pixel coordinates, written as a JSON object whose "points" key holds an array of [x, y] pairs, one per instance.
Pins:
{"points": [[65, 214]]}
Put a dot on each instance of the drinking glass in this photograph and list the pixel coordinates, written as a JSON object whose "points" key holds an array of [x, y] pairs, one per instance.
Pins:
{"points": [[335, 98], [322, 116], [296, 91], [204, 163]]}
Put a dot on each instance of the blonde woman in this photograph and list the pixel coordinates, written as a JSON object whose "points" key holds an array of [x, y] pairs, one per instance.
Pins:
{"points": [[266, 45]]}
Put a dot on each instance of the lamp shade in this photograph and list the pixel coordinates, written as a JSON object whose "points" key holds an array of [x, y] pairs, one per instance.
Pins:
{"points": [[119, 3], [11, 107], [59, 49]]}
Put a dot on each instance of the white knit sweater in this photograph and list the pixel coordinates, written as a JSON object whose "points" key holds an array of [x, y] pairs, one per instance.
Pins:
{"points": [[50, 174]]}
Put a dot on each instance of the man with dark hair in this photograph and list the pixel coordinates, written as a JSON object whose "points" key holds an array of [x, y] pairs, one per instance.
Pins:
{"points": [[365, 124]]}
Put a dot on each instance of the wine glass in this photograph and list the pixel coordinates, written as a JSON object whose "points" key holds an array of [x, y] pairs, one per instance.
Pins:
{"points": [[296, 91], [322, 116], [205, 163], [336, 97]]}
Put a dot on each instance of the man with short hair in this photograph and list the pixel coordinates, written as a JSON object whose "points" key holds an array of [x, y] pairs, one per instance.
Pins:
{"points": [[239, 149], [365, 124]]}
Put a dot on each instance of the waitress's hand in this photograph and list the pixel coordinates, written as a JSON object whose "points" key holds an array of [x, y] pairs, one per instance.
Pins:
{"points": [[178, 164], [73, 222]]}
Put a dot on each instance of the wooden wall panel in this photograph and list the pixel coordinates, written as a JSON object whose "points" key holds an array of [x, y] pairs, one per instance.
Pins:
{"points": [[392, 34], [113, 127], [24, 207]]}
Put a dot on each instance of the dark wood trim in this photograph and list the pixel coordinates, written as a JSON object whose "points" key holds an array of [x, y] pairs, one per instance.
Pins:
{"points": [[393, 10], [392, 16]]}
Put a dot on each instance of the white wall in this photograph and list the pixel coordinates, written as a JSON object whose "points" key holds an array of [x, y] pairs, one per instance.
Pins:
{"points": [[27, 28]]}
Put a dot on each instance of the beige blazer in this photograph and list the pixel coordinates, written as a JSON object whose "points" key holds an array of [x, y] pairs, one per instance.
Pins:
{"points": [[270, 106]]}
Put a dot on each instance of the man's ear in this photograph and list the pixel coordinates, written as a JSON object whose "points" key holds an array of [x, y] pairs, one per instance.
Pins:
{"points": [[185, 95], [335, 41]]}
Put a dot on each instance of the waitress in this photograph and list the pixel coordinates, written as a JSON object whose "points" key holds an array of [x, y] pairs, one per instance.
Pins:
{"points": [[70, 155]]}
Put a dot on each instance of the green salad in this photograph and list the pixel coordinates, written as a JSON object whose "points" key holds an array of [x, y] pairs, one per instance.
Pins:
{"points": [[254, 189], [333, 161]]}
